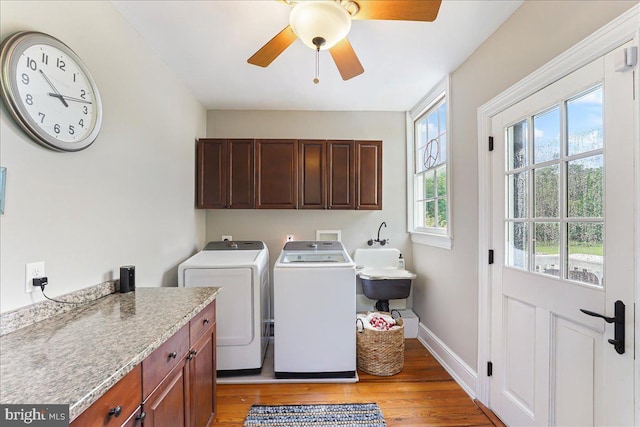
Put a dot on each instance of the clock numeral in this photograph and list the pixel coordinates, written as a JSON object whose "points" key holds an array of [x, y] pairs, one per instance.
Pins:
{"points": [[71, 130], [56, 128], [29, 99], [45, 58], [85, 110], [74, 77], [42, 116], [81, 122], [60, 64], [25, 78], [83, 94], [31, 63]]}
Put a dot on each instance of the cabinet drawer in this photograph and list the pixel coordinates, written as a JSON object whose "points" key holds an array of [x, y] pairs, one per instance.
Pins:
{"points": [[163, 359], [116, 405], [202, 322]]}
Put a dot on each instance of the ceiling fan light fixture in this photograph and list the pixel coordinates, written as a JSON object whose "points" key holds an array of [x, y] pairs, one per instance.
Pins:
{"points": [[324, 18]]}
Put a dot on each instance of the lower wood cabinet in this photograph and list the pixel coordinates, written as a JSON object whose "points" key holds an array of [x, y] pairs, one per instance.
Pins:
{"points": [[175, 386]]}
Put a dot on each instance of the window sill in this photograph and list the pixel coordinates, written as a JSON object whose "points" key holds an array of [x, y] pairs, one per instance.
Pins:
{"points": [[437, 240]]}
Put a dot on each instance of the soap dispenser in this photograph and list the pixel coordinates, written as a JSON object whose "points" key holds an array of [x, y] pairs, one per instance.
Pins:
{"points": [[401, 262]]}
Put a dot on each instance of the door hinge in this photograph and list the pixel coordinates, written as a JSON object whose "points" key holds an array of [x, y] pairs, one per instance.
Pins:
{"points": [[490, 143], [490, 256], [489, 369]]}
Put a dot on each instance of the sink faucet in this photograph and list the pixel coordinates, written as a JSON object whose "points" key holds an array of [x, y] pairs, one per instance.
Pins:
{"points": [[383, 241]]}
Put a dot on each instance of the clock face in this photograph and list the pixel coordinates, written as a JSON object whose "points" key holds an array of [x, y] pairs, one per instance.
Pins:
{"points": [[50, 92]]}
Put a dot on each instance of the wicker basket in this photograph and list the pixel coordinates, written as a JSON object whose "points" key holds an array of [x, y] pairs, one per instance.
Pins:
{"points": [[381, 353]]}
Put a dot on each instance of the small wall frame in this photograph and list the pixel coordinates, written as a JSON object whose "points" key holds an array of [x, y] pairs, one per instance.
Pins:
{"points": [[335, 235]]}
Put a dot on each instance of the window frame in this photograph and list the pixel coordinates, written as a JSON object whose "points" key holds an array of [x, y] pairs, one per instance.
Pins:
{"points": [[432, 236]]}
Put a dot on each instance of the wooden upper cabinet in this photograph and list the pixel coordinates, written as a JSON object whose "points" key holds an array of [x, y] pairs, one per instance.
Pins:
{"points": [[240, 174], [276, 173], [225, 174], [341, 175], [312, 167], [368, 174], [212, 173]]}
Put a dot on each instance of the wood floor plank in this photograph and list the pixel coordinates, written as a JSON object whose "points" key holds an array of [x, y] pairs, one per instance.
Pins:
{"points": [[422, 394]]}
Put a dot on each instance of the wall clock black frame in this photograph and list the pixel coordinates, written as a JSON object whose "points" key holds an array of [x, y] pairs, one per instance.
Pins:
{"points": [[49, 91]]}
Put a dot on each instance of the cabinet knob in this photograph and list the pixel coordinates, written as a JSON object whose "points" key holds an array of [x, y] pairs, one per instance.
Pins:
{"points": [[191, 354], [141, 416], [205, 321], [173, 355], [115, 411]]}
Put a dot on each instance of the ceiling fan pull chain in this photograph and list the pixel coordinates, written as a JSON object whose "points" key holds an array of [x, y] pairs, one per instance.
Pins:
{"points": [[318, 42], [316, 80]]}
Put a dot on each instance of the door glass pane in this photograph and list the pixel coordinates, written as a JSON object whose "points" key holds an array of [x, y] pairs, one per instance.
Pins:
{"points": [[547, 248], [430, 214], [584, 122], [517, 145], [585, 252], [585, 187], [442, 213], [429, 185], [517, 244], [546, 136], [517, 203], [545, 189]]}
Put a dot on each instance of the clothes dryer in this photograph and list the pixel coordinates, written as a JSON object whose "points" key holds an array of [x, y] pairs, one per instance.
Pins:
{"points": [[241, 269]]}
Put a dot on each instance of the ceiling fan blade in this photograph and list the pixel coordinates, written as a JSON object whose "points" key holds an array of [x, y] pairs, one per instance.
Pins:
{"points": [[398, 10], [346, 60], [273, 48]]}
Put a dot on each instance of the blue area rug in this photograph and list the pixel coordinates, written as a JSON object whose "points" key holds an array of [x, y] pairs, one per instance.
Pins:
{"points": [[343, 415]]}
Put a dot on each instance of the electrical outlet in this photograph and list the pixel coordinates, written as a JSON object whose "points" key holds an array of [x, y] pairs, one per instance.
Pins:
{"points": [[226, 238], [289, 237], [33, 270]]}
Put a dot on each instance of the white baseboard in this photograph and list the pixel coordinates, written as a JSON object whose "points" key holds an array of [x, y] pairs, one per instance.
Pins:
{"points": [[466, 377]]}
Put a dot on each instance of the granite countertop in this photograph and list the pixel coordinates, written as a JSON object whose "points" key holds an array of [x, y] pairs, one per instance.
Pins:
{"points": [[74, 358]]}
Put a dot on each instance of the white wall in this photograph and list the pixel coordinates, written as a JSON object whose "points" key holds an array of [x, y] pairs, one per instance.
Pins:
{"points": [[446, 292], [357, 227], [128, 198]]}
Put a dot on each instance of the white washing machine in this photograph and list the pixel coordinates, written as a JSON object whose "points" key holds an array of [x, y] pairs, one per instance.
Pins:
{"points": [[241, 269], [314, 309]]}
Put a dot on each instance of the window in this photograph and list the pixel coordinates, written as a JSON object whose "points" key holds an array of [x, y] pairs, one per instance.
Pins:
{"points": [[428, 160]]}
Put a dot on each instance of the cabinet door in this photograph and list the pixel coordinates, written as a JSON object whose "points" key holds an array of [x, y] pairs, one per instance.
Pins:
{"points": [[240, 174], [368, 174], [168, 404], [312, 166], [202, 380], [341, 174], [212, 174], [276, 174]]}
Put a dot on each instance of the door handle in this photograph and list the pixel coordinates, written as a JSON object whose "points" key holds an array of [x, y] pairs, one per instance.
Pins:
{"points": [[618, 321]]}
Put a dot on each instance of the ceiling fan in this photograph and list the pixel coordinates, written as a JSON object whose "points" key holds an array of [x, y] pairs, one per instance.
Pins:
{"points": [[324, 25]]}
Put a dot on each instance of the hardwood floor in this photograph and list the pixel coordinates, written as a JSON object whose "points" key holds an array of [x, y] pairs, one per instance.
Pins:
{"points": [[422, 394]]}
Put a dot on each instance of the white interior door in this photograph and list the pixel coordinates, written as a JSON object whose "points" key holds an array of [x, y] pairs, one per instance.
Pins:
{"points": [[563, 196]]}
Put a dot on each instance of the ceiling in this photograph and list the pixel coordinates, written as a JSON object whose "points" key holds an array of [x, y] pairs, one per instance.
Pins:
{"points": [[207, 44]]}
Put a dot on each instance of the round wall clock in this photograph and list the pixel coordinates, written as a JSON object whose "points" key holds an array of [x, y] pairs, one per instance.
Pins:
{"points": [[49, 91]]}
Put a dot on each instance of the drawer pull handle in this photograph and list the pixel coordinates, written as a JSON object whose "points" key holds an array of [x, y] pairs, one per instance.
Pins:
{"points": [[141, 416], [205, 321], [173, 355], [115, 411]]}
